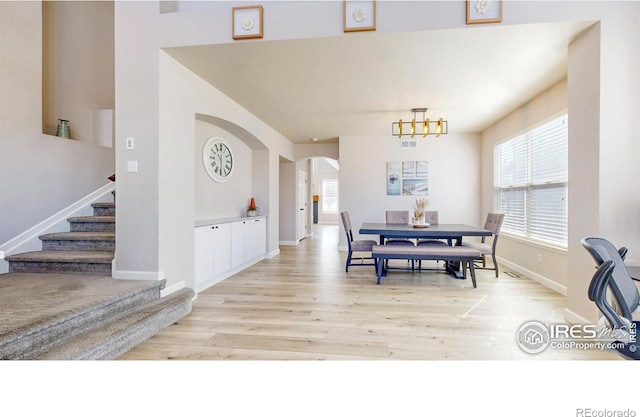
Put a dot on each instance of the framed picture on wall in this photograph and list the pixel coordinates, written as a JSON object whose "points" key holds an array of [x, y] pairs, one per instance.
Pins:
{"points": [[484, 11], [415, 186], [408, 169], [247, 22], [359, 16], [422, 169], [394, 178]]}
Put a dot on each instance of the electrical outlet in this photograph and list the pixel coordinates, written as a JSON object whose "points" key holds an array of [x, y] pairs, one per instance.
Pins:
{"points": [[539, 258]]}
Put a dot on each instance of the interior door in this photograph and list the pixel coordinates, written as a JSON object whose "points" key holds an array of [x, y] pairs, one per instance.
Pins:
{"points": [[302, 205]]}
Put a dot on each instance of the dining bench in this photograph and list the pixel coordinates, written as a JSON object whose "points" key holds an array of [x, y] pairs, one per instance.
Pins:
{"points": [[461, 254]]}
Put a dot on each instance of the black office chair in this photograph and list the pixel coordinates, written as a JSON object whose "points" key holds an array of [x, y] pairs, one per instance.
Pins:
{"points": [[618, 330], [621, 284]]}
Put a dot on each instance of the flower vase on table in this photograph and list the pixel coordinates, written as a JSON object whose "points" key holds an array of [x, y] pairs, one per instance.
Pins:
{"points": [[419, 210]]}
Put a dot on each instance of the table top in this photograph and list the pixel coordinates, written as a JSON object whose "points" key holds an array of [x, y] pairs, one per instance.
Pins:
{"points": [[434, 231]]}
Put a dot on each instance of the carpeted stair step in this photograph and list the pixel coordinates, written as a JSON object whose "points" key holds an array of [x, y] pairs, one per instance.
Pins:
{"points": [[74, 262], [81, 241], [92, 224], [104, 209], [124, 333], [43, 311]]}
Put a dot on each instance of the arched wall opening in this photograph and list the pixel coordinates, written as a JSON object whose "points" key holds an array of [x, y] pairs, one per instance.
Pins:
{"points": [[214, 199]]}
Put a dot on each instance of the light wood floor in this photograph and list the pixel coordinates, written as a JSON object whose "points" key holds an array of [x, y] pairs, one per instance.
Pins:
{"points": [[301, 305]]}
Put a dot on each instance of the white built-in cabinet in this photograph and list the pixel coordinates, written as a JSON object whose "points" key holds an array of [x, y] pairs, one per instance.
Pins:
{"points": [[223, 249]]}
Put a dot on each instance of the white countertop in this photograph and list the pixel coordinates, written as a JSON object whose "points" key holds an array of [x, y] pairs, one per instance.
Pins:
{"points": [[209, 222]]}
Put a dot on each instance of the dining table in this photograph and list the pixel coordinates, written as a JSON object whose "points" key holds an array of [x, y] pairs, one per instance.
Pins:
{"points": [[452, 233]]}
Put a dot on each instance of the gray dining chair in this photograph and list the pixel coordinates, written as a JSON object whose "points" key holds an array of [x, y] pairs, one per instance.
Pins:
{"points": [[364, 245], [398, 217], [431, 217], [494, 224]]}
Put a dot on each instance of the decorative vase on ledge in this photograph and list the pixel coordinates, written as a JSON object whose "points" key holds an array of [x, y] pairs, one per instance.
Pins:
{"points": [[63, 129]]}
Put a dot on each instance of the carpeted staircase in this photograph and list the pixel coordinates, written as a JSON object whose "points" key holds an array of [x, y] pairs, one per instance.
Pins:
{"points": [[62, 304], [88, 248]]}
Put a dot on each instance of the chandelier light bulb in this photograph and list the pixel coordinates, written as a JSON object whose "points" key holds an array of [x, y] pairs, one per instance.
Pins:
{"points": [[440, 125]]}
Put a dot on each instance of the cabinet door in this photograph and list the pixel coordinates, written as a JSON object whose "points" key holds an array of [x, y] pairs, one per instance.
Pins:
{"points": [[221, 248], [261, 237], [204, 269], [237, 243], [255, 238]]}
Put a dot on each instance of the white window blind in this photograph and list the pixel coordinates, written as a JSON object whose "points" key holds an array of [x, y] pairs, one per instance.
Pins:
{"points": [[530, 180]]}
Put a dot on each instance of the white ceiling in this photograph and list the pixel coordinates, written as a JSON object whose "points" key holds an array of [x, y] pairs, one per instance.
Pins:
{"points": [[357, 84]]}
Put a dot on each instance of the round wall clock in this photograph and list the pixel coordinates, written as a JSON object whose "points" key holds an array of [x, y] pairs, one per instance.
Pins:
{"points": [[217, 159]]}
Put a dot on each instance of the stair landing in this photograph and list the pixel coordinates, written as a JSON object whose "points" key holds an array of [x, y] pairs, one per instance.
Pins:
{"points": [[65, 316]]}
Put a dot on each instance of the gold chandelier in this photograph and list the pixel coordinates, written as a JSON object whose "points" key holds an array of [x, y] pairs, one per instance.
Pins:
{"points": [[426, 126]]}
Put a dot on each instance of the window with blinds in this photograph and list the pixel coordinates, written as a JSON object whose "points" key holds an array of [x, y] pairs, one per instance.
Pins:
{"points": [[530, 183], [330, 196]]}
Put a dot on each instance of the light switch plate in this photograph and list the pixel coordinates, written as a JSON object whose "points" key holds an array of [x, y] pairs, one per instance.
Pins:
{"points": [[130, 143], [132, 166]]}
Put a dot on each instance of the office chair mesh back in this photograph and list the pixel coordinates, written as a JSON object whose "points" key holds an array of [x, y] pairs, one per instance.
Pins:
{"points": [[619, 328], [621, 282]]}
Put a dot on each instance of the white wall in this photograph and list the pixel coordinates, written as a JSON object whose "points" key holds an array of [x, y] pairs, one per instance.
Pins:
{"points": [[454, 178], [287, 199], [78, 61], [585, 178], [39, 174]]}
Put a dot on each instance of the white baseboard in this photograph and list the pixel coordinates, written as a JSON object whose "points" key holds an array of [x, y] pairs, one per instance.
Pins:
{"points": [[148, 276], [272, 254], [535, 276], [173, 288], [138, 275], [289, 242], [575, 318], [201, 286]]}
